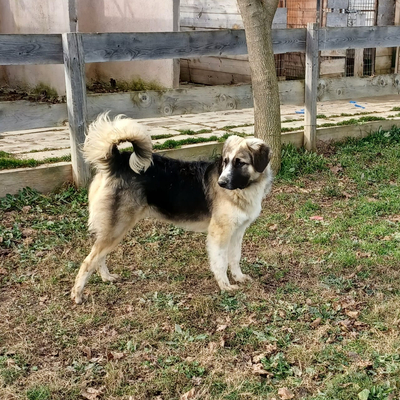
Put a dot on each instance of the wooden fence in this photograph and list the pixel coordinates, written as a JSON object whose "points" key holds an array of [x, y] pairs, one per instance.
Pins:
{"points": [[75, 49]]}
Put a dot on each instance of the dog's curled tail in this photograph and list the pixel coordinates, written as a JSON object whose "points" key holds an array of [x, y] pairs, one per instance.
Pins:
{"points": [[105, 134]]}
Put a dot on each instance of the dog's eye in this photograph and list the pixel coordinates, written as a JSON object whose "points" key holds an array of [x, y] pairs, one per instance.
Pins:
{"points": [[226, 161], [239, 163]]}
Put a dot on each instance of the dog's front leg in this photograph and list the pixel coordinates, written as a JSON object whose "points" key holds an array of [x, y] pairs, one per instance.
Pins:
{"points": [[234, 255], [218, 240]]}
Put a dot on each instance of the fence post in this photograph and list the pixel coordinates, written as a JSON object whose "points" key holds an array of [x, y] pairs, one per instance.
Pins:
{"points": [[73, 16], [311, 87], [74, 68]]}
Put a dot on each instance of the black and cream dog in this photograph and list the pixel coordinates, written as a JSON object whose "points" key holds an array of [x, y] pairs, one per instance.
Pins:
{"points": [[222, 198]]}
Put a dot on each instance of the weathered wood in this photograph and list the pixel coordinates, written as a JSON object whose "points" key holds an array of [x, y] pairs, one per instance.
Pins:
{"points": [[358, 62], [200, 16], [385, 14], [310, 88], [45, 178], [73, 16], [358, 37], [22, 114], [74, 67], [30, 49], [217, 70], [351, 88], [213, 77], [397, 23], [338, 4], [336, 20], [102, 47], [333, 67]]}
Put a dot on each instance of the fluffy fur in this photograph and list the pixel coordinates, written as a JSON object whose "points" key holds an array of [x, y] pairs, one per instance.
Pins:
{"points": [[221, 198]]}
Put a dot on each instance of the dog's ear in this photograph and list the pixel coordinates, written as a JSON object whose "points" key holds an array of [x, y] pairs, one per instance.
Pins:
{"points": [[261, 155]]}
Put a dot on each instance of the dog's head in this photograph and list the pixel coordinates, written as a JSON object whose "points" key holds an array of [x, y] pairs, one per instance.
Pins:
{"points": [[242, 162]]}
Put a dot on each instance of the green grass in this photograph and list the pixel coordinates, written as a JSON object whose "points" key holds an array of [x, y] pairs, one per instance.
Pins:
{"points": [[321, 317], [296, 162], [9, 161], [124, 86]]}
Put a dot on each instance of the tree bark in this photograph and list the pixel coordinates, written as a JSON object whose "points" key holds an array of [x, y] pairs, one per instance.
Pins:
{"points": [[257, 18]]}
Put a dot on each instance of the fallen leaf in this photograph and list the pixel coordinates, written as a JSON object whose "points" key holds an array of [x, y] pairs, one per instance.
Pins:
{"points": [[258, 358], [258, 369], [269, 348], [316, 218], [113, 355], [285, 393], [88, 352], [3, 271], [197, 380], [221, 328], [336, 168], [352, 314], [189, 395], [91, 393], [212, 346], [273, 227], [316, 322]]}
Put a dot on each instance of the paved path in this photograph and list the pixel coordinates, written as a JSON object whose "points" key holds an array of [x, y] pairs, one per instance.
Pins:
{"points": [[54, 142]]}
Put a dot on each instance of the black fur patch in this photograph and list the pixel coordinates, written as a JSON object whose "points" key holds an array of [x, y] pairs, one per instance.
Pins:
{"points": [[177, 189], [261, 158]]}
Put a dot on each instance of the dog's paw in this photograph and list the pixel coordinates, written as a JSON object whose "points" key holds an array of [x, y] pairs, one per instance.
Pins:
{"points": [[228, 287], [109, 277], [242, 278], [76, 296]]}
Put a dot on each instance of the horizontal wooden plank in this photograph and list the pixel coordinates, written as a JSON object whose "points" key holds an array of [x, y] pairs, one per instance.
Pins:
{"points": [[353, 88], [359, 37], [222, 64], [30, 49], [206, 17], [21, 114], [45, 178], [335, 66], [214, 77], [102, 47], [220, 6]]}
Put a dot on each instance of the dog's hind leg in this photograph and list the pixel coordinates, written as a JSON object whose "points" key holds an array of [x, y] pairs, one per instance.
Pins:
{"points": [[105, 274], [96, 259], [234, 254]]}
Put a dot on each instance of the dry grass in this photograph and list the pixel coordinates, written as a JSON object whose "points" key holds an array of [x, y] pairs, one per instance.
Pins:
{"points": [[321, 317]]}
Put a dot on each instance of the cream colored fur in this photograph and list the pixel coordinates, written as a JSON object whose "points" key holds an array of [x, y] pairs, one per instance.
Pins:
{"points": [[104, 133]]}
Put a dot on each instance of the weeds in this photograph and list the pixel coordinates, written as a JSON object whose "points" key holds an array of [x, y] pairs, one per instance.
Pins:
{"points": [[320, 317]]}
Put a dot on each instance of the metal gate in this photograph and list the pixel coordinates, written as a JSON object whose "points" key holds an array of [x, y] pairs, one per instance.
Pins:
{"points": [[348, 13]]}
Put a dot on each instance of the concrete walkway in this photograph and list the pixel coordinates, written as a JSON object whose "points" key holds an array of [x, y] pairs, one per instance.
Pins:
{"points": [[54, 142]]}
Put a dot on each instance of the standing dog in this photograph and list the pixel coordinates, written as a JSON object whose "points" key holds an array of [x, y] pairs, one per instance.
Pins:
{"points": [[222, 198]]}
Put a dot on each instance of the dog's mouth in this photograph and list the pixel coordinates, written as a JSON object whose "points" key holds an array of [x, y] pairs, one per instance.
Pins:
{"points": [[229, 186]]}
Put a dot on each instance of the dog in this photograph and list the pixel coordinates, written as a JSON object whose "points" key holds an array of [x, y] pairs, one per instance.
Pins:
{"points": [[221, 198]]}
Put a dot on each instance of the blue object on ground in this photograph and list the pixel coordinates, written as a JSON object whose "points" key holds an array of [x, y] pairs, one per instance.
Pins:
{"points": [[355, 104], [300, 112]]}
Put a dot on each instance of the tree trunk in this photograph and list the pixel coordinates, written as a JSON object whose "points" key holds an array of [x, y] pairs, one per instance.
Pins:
{"points": [[257, 18]]}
